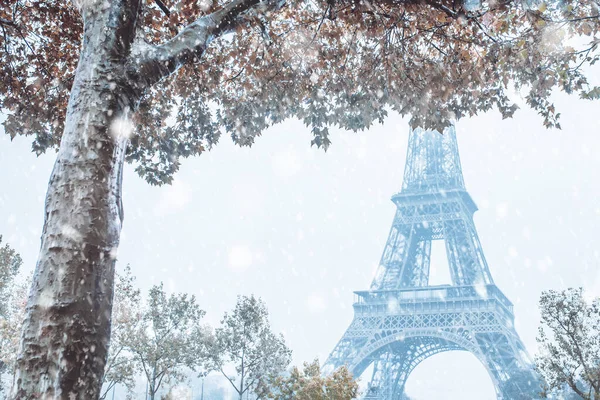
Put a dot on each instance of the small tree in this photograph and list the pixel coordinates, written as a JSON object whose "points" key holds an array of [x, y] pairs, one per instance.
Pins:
{"points": [[12, 308], [126, 317], [10, 262], [169, 338], [10, 327], [310, 384], [569, 341], [245, 342]]}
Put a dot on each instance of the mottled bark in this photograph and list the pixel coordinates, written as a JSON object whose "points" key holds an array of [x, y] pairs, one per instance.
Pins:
{"points": [[66, 333]]}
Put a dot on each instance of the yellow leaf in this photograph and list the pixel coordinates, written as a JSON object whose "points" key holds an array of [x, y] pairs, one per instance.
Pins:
{"points": [[542, 7]]}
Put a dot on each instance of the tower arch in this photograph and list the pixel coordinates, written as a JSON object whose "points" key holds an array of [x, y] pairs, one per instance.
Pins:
{"points": [[395, 358], [402, 320]]}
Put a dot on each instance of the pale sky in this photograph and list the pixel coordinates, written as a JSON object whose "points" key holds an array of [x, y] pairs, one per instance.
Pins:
{"points": [[303, 229]]}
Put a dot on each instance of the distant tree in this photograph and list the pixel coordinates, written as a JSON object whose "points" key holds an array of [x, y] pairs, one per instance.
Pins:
{"points": [[245, 342], [310, 384], [170, 339], [178, 392], [523, 384], [127, 316], [569, 339], [10, 262], [11, 323], [12, 308]]}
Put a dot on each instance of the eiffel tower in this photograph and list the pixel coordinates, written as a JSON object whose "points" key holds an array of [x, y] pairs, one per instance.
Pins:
{"points": [[402, 320]]}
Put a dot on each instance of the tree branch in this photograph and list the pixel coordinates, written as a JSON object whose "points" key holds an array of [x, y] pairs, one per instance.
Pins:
{"points": [[163, 7], [162, 375], [230, 380], [8, 22], [451, 13], [152, 64], [250, 384], [144, 366], [575, 342]]}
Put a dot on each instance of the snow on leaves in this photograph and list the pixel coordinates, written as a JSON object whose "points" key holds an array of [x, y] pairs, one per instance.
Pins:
{"points": [[342, 63], [569, 343]]}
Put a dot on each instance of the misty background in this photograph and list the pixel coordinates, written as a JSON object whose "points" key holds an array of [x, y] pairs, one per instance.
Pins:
{"points": [[303, 229]]}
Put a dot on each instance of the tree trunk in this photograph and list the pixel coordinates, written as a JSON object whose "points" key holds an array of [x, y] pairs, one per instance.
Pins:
{"points": [[64, 344], [66, 333], [153, 385], [242, 371]]}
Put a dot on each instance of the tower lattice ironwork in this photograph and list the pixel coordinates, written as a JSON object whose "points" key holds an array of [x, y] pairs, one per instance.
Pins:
{"points": [[402, 320]]}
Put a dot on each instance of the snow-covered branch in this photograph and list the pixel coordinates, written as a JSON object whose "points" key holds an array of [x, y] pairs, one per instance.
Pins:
{"points": [[150, 64]]}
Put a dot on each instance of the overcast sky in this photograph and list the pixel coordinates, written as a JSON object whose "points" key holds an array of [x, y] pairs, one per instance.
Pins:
{"points": [[303, 229]]}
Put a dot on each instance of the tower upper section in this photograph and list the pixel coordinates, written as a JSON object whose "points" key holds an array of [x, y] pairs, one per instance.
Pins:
{"points": [[432, 162], [432, 205]]}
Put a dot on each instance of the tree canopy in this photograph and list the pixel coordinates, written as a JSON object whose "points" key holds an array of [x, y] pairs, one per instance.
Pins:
{"points": [[569, 338], [170, 339], [245, 343], [10, 262], [13, 295], [343, 63], [127, 317], [10, 330], [309, 383]]}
